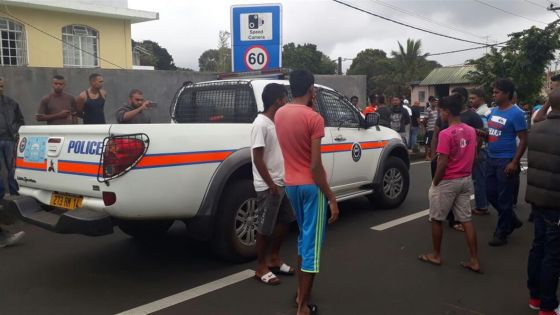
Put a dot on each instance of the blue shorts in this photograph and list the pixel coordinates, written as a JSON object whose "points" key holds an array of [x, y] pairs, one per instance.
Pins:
{"points": [[310, 207]]}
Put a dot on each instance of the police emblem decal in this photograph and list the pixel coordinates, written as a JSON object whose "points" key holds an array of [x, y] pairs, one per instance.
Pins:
{"points": [[356, 152]]}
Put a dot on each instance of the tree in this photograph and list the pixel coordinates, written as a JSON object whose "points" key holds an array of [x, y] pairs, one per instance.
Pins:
{"points": [[307, 57], [378, 69], [392, 76], [411, 65], [154, 55], [217, 60], [523, 59]]}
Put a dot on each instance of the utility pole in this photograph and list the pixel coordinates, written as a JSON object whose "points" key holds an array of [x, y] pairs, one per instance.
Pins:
{"points": [[339, 65]]}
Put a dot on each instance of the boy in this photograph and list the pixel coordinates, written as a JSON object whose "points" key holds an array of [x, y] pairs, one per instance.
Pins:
{"points": [[300, 129], [452, 183], [268, 174]]}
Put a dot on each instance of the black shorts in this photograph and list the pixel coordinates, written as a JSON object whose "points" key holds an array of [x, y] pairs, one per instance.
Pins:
{"points": [[428, 137]]}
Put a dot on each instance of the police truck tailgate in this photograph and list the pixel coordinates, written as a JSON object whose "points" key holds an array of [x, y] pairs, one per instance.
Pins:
{"points": [[58, 167]]}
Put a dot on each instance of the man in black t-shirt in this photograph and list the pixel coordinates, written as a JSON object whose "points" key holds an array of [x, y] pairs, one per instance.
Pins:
{"points": [[414, 124]]}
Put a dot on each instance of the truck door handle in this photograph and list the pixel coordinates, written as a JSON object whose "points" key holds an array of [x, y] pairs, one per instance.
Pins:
{"points": [[339, 138]]}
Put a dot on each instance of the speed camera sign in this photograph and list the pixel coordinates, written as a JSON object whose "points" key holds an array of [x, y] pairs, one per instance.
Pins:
{"points": [[256, 58]]}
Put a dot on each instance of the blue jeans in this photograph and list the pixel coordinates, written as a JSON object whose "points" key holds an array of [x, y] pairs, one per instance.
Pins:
{"points": [[479, 179], [544, 258], [7, 156], [413, 137], [499, 190]]}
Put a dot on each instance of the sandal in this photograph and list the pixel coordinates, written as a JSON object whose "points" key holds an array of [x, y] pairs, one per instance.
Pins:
{"points": [[426, 259], [470, 268], [269, 279], [458, 227], [480, 212], [284, 269]]}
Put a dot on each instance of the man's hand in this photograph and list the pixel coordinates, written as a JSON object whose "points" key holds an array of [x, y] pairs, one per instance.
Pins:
{"points": [[333, 205], [512, 168], [145, 105], [274, 190], [64, 114]]}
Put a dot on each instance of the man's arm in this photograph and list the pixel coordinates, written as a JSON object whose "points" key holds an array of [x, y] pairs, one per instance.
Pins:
{"points": [[440, 170], [406, 117], [258, 160], [541, 113], [80, 102], [19, 117], [513, 166], [129, 115], [42, 116], [320, 178], [434, 141]]}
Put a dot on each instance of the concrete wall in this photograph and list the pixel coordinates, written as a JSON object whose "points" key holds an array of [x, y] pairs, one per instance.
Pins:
{"points": [[44, 51], [28, 85], [347, 85]]}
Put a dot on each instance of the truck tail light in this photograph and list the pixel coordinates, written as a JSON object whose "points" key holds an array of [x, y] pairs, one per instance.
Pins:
{"points": [[109, 198], [121, 153]]}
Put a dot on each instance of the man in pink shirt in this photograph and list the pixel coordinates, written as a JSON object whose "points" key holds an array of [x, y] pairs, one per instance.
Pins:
{"points": [[452, 184], [299, 129]]}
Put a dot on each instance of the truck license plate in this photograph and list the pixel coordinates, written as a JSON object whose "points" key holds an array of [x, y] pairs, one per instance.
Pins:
{"points": [[69, 202]]}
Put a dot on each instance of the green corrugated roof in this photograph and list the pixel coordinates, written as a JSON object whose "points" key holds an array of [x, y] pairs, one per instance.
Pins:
{"points": [[448, 75]]}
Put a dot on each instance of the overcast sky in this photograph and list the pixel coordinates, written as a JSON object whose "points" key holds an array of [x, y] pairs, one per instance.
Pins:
{"points": [[189, 27]]}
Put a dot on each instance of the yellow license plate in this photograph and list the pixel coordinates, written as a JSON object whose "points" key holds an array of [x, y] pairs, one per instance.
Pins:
{"points": [[69, 202]]}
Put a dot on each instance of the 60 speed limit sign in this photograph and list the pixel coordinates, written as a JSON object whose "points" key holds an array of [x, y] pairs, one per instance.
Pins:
{"points": [[256, 58]]}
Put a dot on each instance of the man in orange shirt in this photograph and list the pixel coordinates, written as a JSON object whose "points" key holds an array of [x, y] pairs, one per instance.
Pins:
{"points": [[299, 129], [372, 106]]}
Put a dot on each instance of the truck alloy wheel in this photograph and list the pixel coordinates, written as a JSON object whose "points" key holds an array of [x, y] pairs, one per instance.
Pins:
{"points": [[246, 222], [391, 191], [392, 183], [235, 229]]}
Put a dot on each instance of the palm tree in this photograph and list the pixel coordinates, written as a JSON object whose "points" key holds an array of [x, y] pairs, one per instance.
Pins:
{"points": [[409, 62]]}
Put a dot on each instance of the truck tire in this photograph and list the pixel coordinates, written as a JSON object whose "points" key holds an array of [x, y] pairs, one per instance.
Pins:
{"points": [[393, 188], [235, 230], [144, 229]]}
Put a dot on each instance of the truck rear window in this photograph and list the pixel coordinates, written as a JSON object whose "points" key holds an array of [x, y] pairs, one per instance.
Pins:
{"points": [[216, 102]]}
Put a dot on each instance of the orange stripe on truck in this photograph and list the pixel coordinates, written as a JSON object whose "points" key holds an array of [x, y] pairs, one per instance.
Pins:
{"points": [[21, 163], [164, 160]]}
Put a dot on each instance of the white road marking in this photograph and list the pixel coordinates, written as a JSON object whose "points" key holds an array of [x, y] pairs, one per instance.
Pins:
{"points": [[190, 294], [420, 162], [399, 221]]}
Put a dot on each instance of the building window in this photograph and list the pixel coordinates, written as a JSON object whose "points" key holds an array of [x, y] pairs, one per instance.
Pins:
{"points": [[80, 48], [422, 96], [13, 49]]}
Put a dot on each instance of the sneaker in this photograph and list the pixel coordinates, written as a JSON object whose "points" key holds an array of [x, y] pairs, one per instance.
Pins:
{"points": [[7, 239], [497, 241], [535, 304]]}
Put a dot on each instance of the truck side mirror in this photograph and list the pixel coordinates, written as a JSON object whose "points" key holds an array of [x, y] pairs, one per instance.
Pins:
{"points": [[372, 120]]}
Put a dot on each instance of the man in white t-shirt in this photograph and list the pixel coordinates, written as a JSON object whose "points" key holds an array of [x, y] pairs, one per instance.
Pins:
{"points": [[274, 211]]}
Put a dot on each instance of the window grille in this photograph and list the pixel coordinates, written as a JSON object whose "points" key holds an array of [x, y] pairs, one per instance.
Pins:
{"points": [[337, 110], [80, 48], [13, 51], [216, 102]]}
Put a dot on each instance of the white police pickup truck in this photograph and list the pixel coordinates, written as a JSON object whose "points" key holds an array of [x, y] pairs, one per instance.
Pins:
{"points": [[197, 169]]}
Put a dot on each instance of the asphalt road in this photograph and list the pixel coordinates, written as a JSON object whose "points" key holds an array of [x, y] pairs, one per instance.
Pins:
{"points": [[362, 272]]}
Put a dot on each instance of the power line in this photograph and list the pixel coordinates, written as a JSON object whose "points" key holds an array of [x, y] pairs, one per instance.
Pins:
{"points": [[466, 49], [407, 25], [8, 13], [423, 17], [535, 4], [508, 12]]}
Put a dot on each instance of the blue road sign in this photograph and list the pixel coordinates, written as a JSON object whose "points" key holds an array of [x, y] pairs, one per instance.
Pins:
{"points": [[256, 32]]}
